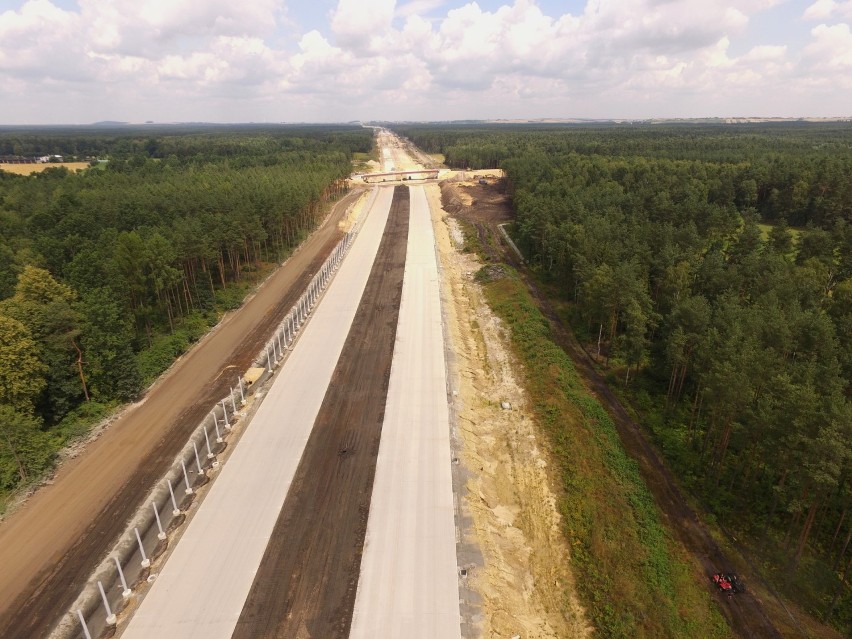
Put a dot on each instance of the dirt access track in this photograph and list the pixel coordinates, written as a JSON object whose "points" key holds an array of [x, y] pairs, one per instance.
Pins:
{"points": [[485, 206], [50, 545]]}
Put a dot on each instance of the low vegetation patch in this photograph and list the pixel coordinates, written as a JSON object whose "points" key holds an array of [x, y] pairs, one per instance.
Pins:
{"points": [[632, 577]]}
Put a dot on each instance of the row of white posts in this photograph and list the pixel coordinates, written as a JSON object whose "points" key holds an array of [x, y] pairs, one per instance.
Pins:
{"points": [[272, 355], [287, 330]]}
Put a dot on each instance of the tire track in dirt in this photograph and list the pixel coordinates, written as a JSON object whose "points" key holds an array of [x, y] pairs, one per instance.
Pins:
{"points": [[49, 547], [306, 583]]}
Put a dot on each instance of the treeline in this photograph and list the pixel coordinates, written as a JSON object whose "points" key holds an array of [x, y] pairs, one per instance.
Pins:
{"points": [[106, 275], [197, 142], [740, 334], [794, 172]]}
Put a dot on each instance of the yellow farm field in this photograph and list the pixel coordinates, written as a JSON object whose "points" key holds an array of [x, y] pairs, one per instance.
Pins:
{"points": [[28, 169]]}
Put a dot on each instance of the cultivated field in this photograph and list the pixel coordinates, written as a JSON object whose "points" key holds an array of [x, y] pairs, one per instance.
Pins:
{"points": [[29, 169]]}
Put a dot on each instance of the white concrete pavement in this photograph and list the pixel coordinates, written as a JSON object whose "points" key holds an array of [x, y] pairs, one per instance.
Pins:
{"points": [[203, 585], [408, 588]]}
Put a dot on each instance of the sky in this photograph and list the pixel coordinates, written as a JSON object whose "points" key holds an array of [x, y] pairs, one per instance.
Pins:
{"points": [[83, 61]]}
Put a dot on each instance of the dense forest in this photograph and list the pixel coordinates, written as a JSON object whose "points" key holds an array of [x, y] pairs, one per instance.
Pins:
{"points": [[106, 275], [709, 268]]}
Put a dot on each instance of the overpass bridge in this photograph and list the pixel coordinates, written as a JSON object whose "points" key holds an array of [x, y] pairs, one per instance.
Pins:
{"points": [[390, 176]]}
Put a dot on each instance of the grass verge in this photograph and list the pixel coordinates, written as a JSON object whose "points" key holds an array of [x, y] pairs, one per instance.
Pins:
{"points": [[634, 579]]}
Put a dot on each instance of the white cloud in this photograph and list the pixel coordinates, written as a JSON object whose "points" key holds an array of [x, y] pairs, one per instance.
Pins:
{"points": [[38, 40], [824, 9], [415, 7], [358, 25], [831, 49], [420, 58]]}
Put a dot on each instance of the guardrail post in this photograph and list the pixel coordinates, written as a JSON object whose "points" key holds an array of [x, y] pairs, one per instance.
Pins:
{"points": [[110, 619], [242, 394], [188, 490], [216, 426], [126, 592], [162, 534], [225, 413], [233, 401], [145, 561], [207, 439], [197, 460], [175, 509], [83, 623]]}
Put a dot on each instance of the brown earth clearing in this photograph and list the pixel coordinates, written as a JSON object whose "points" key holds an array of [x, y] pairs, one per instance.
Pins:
{"points": [[29, 169], [484, 207], [306, 583], [51, 543]]}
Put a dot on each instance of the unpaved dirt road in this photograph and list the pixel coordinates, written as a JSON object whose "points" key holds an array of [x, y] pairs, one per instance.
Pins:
{"points": [[50, 545], [306, 583], [486, 206]]}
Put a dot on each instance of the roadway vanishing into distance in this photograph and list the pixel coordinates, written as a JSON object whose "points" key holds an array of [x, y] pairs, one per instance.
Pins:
{"points": [[334, 515], [364, 464], [408, 586], [204, 584]]}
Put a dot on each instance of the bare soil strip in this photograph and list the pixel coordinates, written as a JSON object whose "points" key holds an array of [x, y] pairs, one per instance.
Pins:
{"points": [[306, 584], [49, 547]]}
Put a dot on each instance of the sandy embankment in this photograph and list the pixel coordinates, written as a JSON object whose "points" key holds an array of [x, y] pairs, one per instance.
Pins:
{"points": [[526, 583]]}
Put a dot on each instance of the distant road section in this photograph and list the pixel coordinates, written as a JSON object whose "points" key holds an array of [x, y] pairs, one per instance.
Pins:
{"points": [[203, 586], [408, 587]]}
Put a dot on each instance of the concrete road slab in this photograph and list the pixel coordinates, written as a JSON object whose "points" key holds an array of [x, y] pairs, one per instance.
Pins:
{"points": [[408, 588], [204, 584]]}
